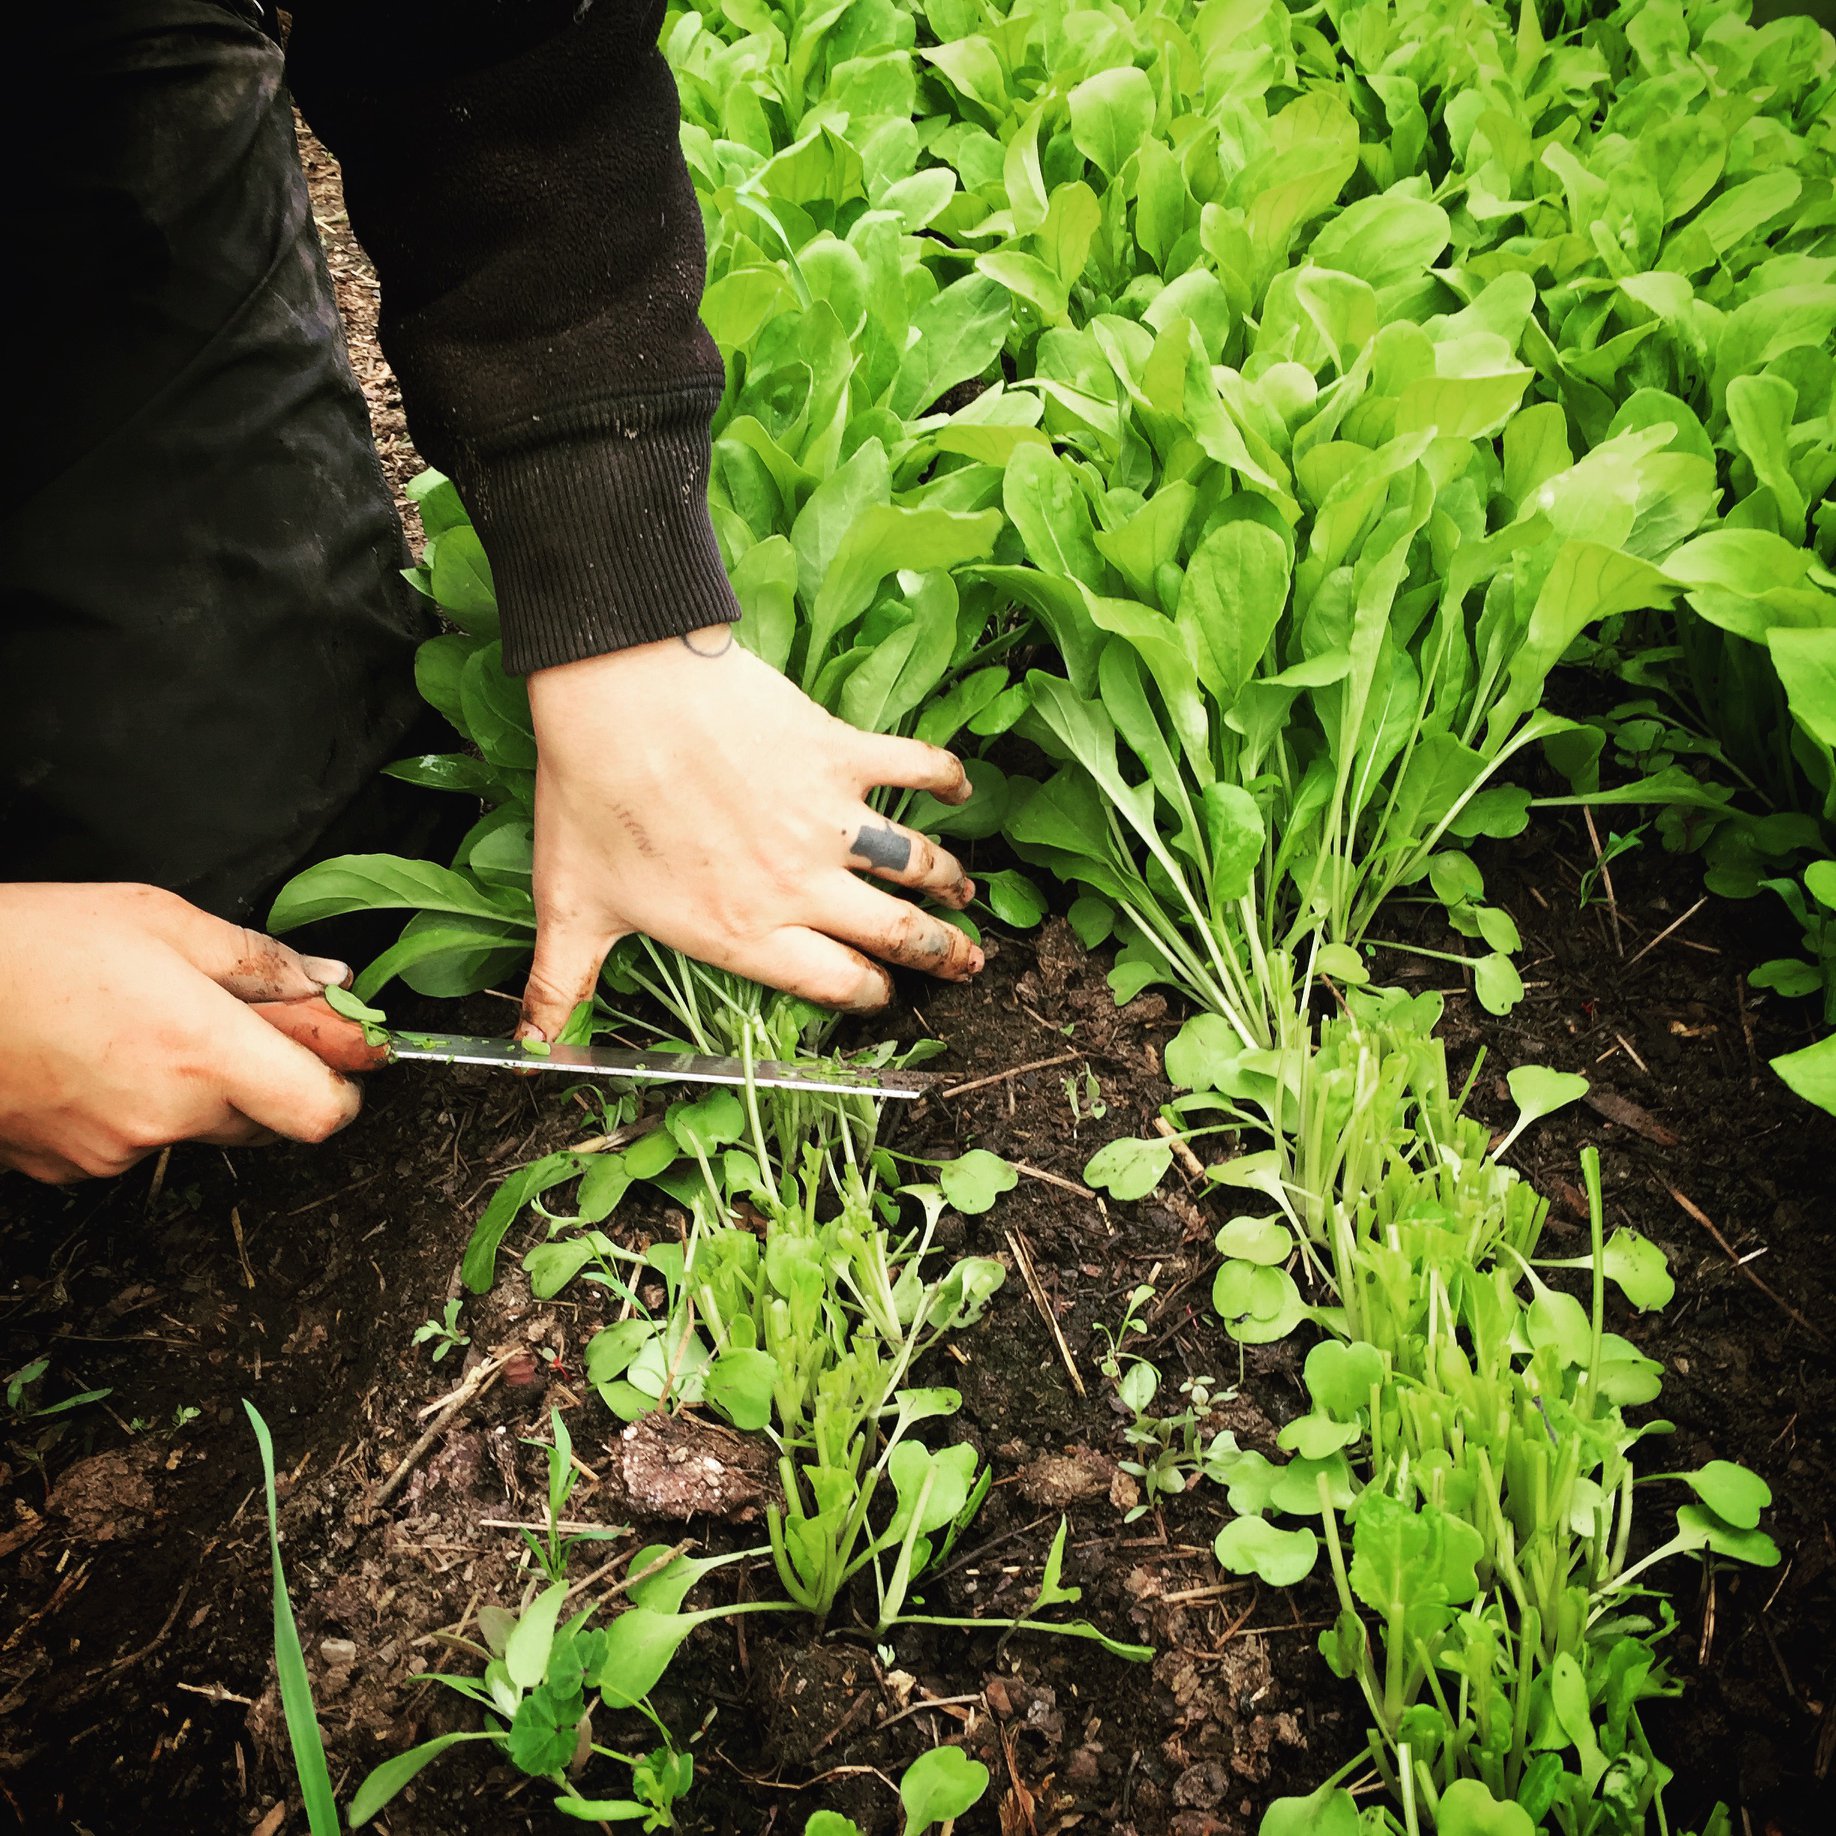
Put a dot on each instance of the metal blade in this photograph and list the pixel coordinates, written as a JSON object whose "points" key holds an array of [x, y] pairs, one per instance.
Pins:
{"points": [[663, 1067]]}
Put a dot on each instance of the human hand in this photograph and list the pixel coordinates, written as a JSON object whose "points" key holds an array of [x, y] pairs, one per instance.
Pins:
{"points": [[124, 1027], [687, 790]]}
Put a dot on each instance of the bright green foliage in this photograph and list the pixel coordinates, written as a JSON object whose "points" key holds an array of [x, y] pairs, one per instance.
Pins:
{"points": [[444, 1332], [1705, 310], [1129, 1168], [1467, 1425], [24, 1408], [938, 1787], [1252, 1546], [371, 1019], [1537, 1091], [1330, 1811], [533, 1693], [973, 1181]]}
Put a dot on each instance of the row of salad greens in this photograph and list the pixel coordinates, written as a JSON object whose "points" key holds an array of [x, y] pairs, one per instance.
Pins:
{"points": [[1248, 407]]}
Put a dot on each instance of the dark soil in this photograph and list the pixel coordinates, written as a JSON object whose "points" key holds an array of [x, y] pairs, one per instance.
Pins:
{"points": [[136, 1682]]}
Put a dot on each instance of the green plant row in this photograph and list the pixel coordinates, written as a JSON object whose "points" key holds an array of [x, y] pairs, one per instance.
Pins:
{"points": [[1468, 1429]]}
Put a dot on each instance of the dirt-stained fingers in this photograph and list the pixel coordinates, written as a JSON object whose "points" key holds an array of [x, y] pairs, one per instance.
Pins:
{"points": [[897, 931], [903, 856], [249, 964], [563, 973], [276, 1083], [911, 764], [806, 963]]}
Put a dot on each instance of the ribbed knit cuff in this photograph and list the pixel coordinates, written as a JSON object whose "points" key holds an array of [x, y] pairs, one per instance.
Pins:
{"points": [[596, 522]]}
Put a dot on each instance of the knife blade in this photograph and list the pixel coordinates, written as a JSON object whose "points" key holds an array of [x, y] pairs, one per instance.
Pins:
{"points": [[342, 1044], [659, 1067]]}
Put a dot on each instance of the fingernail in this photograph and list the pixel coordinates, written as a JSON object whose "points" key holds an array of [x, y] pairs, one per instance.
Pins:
{"points": [[328, 972]]}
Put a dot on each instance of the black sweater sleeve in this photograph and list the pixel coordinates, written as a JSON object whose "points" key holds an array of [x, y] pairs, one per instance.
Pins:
{"points": [[513, 170]]}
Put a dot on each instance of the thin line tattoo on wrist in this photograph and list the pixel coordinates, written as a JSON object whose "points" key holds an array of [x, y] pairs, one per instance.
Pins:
{"points": [[883, 846], [714, 644]]}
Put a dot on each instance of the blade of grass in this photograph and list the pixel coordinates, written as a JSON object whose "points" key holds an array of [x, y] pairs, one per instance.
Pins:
{"points": [[290, 1667]]}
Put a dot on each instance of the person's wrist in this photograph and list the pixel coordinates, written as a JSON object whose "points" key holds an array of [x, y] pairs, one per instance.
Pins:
{"points": [[640, 676]]}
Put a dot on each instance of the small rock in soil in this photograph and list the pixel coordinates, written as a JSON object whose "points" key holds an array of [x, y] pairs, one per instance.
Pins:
{"points": [[1201, 1787], [674, 1467], [1042, 1714], [1250, 1756], [1058, 1480]]}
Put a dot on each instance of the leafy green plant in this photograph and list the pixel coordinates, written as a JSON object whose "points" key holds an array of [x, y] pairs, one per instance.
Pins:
{"points": [[1588, 891], [443, 1333], [1467, 1425], [24, 1408], [538, 1672], [1118, 1361], [844, 1419], [1168, 1451], [936, 1789]]}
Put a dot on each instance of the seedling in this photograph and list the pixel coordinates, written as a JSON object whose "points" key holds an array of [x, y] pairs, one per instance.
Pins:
{"points": [[1085, 1096], [936, 1789], [1117, 1360], [533, 1693], [1053, 1591], [443, 1333], [1170, 1449], [552, 1549], [1611, 850], [290, 1665], [53, 1419]]}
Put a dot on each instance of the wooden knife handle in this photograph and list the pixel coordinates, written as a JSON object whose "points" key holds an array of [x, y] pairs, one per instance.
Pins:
{"points": [[340, 1042]]}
